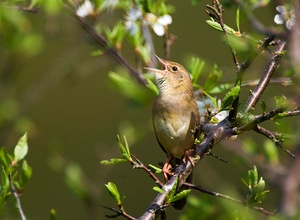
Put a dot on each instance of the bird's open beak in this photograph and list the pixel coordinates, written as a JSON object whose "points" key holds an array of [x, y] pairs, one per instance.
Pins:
{"points": [[164, 65]]}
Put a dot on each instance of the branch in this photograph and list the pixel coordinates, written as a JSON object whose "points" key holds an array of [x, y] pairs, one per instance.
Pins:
{"points": [[139, 165], [120, 212], [273, 136], [240, 69], [265, 79], [218, 17], [199, 188], [259, 119], [169, 40], [245, 65], [99, 39], [290, 113]]}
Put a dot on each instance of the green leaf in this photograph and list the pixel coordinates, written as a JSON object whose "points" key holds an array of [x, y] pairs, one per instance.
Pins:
{"points": [[218, 27], [96, 53], [281, 101], [152, 86], [221, 88], [113, 191], [180, 195], [116, 35], [245, 182], [253, 177], [271, 152], [230, 96], [4, 183], [260, 185], [74, 178], [53, 214], [213, 79], [25, 174], [194, 2], [237, 19], [5, 159], [173, 192], [196, 68], [34, 3], [113, 161], [125, 149], [159, 190], [52, 7], [144, 52], [256, 188], [263, 106], [21, 148], [155, 169], [129, 88]]}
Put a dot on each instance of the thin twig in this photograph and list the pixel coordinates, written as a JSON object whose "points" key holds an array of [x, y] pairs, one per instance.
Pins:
{"points": [[138, 164], [17, 197], [218, 12], [169, 40], [273, 136], [102, 41], [201, 189], [118, 213]]}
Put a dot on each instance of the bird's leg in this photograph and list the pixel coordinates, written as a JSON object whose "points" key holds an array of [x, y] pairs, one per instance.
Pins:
{"points": [[166, 168], [187, 156]]}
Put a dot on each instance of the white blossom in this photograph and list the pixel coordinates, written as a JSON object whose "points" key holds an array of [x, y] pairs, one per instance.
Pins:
{"points": [[133, 15], [87, 8], [158, 24], [285, 16]]}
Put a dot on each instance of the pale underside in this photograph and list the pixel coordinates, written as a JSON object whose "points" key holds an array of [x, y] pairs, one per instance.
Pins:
{"points": [[174, 130]]}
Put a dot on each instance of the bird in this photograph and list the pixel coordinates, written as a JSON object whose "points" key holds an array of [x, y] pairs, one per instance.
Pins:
{"points": [[175, 115]]}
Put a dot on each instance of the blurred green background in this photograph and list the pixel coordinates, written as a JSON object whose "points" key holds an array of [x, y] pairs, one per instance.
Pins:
{"points": [[55, 90]]}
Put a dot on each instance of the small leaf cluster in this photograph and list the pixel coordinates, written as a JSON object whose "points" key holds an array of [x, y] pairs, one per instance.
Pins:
{"points": [[14, 170], [256, 188], [125, 153], [126, 157]]}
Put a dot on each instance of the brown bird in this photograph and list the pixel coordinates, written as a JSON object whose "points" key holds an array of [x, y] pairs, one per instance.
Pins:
{"points": [[175, 115]]}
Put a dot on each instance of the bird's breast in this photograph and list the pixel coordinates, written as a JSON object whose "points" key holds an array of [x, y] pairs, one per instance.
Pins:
{"points": [[174, 126]]}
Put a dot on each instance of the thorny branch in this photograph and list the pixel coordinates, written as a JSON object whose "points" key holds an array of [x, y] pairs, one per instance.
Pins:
{"points": [[265, 79]]}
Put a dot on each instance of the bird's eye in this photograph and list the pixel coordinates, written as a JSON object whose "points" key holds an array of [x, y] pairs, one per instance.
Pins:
{"points": [[174, 68]]}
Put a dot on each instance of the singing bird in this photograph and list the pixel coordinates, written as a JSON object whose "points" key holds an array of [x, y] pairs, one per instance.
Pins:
{"points": [[175, 115]]}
